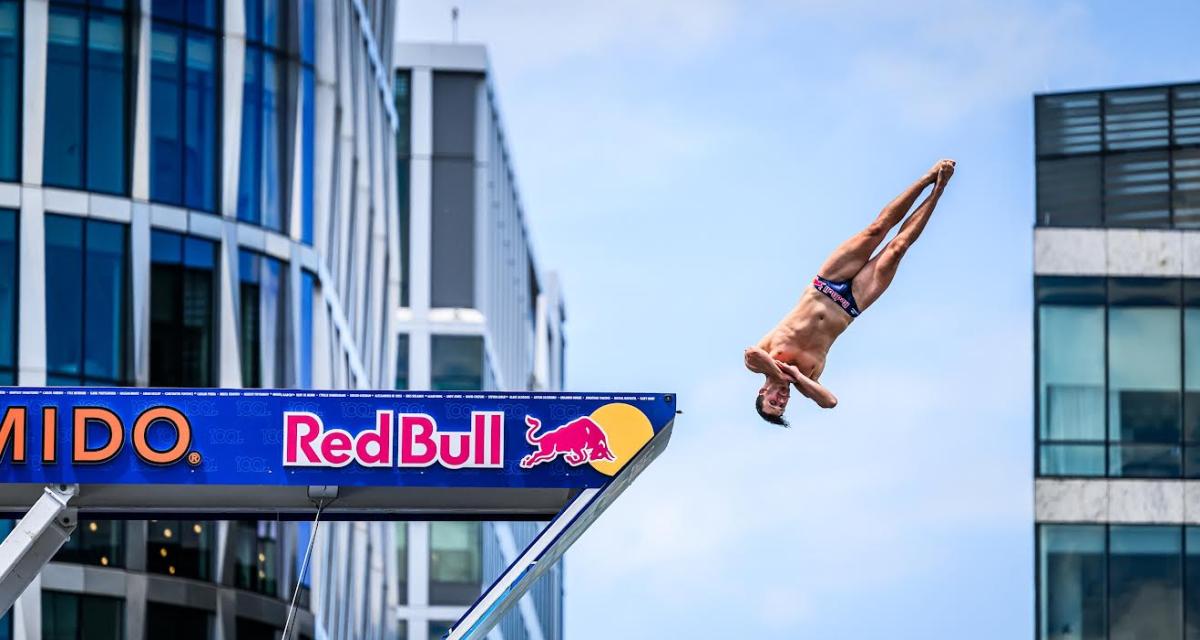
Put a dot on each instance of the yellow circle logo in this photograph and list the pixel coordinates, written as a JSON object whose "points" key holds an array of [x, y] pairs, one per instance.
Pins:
{"points": [[627, 430]]}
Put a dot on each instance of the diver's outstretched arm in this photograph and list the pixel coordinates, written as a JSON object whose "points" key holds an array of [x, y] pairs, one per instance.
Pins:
{"points": [[809, 387]]}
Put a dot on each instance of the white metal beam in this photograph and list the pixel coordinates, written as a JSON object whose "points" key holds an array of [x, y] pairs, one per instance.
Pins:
{"points": [[34, 540]]}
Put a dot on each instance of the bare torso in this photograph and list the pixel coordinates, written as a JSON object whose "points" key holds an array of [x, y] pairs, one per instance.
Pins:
{"points": [[805, 334]]}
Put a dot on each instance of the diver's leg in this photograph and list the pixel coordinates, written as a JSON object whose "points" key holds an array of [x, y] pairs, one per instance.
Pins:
{"points": [[877, 275], [849, 258]]}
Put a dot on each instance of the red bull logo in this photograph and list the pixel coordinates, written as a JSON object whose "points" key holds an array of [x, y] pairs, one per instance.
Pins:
{"points": [[579, 441]]}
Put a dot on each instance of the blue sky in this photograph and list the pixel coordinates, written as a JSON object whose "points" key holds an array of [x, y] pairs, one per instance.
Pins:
{"points": [[686, 166]]}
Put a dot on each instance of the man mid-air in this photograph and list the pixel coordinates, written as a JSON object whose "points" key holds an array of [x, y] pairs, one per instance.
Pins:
{"points": [[849, 282]]}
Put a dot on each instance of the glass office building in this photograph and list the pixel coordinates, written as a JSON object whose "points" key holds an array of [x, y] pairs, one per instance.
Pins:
{"points": [[475, 313], [1117, 363], [201, 193]]}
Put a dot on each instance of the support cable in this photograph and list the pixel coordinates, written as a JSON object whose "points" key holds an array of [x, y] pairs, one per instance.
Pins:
{"points": [[312, 539]]}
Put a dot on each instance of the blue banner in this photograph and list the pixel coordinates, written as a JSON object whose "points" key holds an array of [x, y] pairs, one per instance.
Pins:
{"points": [[299, 438]]}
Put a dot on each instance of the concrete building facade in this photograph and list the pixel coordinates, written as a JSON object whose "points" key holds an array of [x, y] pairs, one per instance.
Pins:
{"points": [[1117, 363]]}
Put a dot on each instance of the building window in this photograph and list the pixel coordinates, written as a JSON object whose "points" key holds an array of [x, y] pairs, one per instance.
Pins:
{"points": [[439, 628], [181, 548], [1145, 582], [182, 310], [1144, 378], [9, 264], [1071, 582], [87, 97], [263, 321], [10, 90], [70, 616], [458, 363], [1117, 362], [308, 296], [184, 104], [402, 87], [308, 151], [263, 178], [1121, 158], [86, 302], [302, 578], [247, 629], [95, 542], [402, 362], [255, 562], [177, 623], [455, 562], [455, 97], [402, 561]]}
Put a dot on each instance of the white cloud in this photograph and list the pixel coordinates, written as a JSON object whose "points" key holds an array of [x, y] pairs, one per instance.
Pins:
{"points": [[959, 57]]}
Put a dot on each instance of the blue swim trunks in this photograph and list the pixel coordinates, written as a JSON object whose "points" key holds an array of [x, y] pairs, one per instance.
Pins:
{"points": [[839, 292]]}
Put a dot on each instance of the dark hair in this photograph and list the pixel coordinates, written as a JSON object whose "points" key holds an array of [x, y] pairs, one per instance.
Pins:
{"points": [[773, 419]]}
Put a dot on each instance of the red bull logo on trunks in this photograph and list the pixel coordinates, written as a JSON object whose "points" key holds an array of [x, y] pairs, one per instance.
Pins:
{"points": [[579, 441], [396, 440]]}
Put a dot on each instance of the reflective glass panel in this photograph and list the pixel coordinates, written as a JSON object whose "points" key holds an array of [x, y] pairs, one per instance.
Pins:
{"points": [[1145, 582], [106, 104], [69, 616], [249, 187], [177, 623], [255, 561], [1191, 586], [1071, 372], [95, 542], [63, 146], [182, 310], [249, 323], [307, 292], [166, 116], [402, 560], [105, 286], [1144, 376], [402, 361], [1071, 582], [10, 90], [180, 548], [272, 122], [200, 125], [8, 296], [457, 363], [64, 296], [455, 562]]}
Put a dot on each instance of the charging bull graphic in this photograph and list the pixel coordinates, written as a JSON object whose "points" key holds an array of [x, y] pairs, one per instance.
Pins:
{"points": [[579, 441]]}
